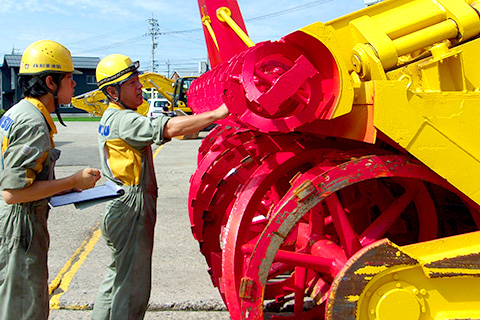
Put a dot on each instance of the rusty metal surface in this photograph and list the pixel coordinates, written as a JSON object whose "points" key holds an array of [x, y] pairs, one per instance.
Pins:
{"points": [[351, 283]]}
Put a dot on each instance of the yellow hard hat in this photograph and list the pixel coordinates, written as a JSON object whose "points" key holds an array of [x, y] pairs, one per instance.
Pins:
{"points": [[46, 56], [115, 69]]}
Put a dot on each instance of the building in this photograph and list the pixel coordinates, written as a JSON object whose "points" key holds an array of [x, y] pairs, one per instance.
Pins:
{"points": [[203, 67], [11, 94]]}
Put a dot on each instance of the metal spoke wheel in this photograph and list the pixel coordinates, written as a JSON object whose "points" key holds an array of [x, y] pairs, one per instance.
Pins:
{"points": [[250, 214], [331, 212], [215, 184]]}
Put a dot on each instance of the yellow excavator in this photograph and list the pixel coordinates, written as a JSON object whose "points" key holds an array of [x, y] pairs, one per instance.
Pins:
{"points": [[95, 102]]}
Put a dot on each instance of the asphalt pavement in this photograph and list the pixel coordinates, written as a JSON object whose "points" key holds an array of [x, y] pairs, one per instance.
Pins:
{"points": [[78, 256]]}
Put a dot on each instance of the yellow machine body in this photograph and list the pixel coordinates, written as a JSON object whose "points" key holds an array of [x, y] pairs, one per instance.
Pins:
{"points": [[435, 280], [414, 65]]}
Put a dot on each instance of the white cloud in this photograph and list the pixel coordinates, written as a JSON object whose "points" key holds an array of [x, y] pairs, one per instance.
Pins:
{"points": [[8, 6]]}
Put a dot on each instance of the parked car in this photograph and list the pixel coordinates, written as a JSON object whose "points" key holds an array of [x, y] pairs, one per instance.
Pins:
{"points": [[157, 107]]}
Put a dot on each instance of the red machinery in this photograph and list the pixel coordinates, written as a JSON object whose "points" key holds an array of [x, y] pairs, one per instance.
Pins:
{"points": [[313, 167]]}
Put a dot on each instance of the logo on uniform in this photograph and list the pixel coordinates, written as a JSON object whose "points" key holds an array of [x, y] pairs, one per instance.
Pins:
{"points": [[6, 122], [104, 130]]}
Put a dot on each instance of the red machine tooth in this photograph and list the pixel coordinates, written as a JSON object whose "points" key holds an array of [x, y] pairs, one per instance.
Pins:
{"points": [[225, 192], [201, 179], [216, 165], [215, 138]]}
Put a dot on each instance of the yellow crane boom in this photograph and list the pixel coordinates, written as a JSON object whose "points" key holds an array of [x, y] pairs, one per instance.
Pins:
{"points": [[95, 102]]}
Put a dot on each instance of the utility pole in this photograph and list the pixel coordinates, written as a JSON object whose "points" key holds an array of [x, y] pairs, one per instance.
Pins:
{"points": [[154, 33], [15, 50]]}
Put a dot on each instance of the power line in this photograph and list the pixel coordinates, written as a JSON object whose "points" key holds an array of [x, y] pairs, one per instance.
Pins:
{"points": [[155, 33], [115, 44], [262, 17], [179, 31], [106, 35], [289, 10]]}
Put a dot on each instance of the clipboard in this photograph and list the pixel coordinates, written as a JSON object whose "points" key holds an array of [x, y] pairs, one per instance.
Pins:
{"points": [[89, 197]]}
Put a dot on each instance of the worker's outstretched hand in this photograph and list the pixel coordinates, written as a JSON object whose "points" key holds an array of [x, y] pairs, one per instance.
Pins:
{"points": [[86, 178], [222, 112]]}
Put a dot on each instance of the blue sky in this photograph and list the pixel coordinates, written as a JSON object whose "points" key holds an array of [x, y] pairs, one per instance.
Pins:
{"points": [[101, 27]]}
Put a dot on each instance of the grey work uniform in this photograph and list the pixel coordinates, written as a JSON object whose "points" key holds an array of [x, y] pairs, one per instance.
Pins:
{"points": [[27, 155], [125, 138]]}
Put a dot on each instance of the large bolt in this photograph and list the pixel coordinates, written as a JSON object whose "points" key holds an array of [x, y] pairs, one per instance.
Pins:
{"points": [[356, 63]]}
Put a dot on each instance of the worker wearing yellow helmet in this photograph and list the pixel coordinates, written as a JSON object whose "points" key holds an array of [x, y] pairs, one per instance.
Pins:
{"points": [[44, 58], [125, 138], [27, 179], [113, 71]]}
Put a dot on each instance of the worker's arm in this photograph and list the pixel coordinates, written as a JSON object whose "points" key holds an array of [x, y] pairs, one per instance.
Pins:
{"points": [[178, 126], [83, 179]]}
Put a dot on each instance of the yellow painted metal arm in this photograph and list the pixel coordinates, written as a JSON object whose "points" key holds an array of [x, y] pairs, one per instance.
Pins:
{"points": [[94, 102], [208, 24], [165, 86], [224, 15]]}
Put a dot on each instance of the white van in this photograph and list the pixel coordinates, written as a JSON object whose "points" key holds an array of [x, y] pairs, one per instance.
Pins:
{"points": [[157, 107]]}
